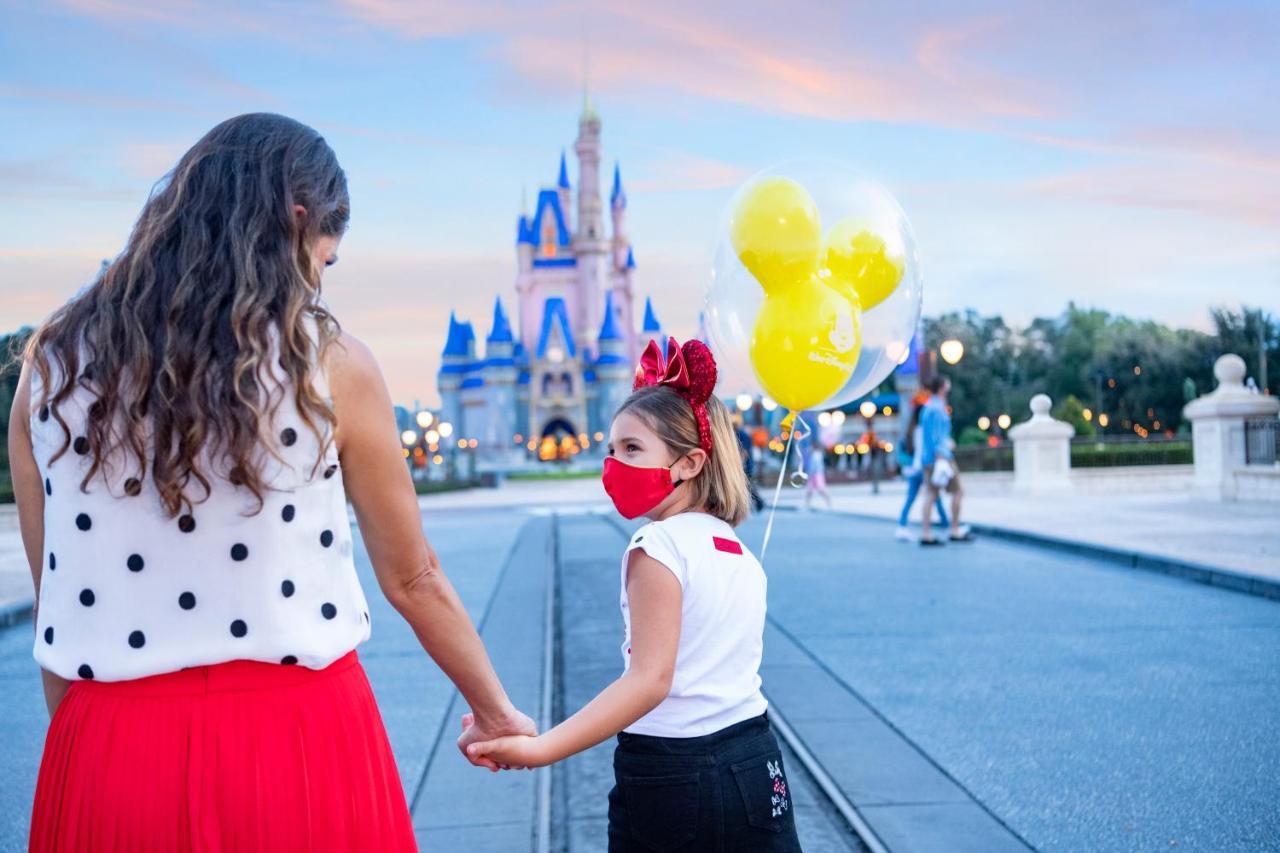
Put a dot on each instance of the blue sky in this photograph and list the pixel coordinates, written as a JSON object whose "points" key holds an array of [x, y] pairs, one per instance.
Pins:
{"points": [[1125, 156]]}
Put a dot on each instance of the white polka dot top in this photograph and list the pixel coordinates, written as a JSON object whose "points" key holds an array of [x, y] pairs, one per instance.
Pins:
{"points": [[127, 592]]}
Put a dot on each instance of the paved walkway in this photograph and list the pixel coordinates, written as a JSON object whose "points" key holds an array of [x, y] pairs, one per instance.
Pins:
{"points": [[954, 696]]}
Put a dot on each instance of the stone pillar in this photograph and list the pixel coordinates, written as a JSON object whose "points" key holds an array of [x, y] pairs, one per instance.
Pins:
{"points": [[1041, 451], [1217, 428]]}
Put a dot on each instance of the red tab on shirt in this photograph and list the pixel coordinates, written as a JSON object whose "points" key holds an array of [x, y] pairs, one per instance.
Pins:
{"points": [[729, 546]]}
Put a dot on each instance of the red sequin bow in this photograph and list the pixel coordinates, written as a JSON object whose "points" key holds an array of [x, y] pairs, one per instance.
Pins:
{"points": [[690, 371]]}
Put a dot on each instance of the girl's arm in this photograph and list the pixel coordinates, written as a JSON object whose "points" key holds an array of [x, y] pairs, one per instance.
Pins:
{"points": [[380, 489], [655, 600], [29, 495]]}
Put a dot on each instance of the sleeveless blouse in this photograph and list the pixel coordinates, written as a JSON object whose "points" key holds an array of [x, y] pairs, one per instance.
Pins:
{"points": [[127, 592]]}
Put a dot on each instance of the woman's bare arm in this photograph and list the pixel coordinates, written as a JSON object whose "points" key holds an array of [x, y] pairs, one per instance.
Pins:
{"points": [[30, 497], [386, 506]]}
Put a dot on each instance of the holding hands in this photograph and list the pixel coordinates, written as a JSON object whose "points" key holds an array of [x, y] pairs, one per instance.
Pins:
{"points": [[478, 734]]}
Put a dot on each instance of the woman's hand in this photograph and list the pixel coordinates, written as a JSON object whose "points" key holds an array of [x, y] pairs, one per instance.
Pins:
{"points": [[514, 752], [480, 731]]}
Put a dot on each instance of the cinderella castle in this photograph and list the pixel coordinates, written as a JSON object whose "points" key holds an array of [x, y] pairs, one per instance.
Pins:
{"points": [[548, 388]]}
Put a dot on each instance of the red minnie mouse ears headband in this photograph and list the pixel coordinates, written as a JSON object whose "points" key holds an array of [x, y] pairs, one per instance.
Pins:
{"points": [[690, 371]]}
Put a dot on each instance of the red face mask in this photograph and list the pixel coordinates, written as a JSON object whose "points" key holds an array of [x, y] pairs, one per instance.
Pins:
{"points": [[636, 490]]}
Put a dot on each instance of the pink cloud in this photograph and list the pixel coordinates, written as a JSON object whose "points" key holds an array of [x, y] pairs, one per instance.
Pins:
{"points": [[1206, 189]]}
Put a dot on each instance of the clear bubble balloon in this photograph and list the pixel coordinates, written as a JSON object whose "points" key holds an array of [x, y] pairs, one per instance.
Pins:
{"points": [[798, 479], [815, 290]]}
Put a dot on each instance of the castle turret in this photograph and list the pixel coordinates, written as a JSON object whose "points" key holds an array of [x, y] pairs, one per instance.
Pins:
{"points": [[589, 240], [497, 432], [456, 361], [525, 243], [615, 369], [618, 210], [562, 187]]}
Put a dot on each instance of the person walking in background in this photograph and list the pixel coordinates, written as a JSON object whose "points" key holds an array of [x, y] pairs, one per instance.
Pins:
{"points": [[187, 433], [913, 471], [938, 462], [816, 469]]}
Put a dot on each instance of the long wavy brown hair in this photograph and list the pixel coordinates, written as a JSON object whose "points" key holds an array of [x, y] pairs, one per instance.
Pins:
{"points": [[175, 336]]}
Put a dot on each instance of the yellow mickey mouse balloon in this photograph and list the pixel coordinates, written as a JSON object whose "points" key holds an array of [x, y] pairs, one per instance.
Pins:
{"points": [[776, 233], [815, 287], [857, 260], [805, 340], [805, 343]]}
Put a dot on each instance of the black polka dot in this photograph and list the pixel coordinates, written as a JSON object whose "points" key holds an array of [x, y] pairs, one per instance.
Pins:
{"points": [[135, 562], [187, 601], [133, 487], [239, 551], [236, 476], [238, 628], [330, 471], [288, 512], [137, 639], [287, 589], [53, 561], [326, 538], [288, 436], [328, 611], [84, 671], [48, 635], [81, 445], [83, 521], [44, 413], [87, 597], [48, 487], [288, 660], [187, 523]]}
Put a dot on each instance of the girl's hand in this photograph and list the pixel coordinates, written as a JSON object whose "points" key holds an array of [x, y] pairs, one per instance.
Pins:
{"points": [[514, 752]]}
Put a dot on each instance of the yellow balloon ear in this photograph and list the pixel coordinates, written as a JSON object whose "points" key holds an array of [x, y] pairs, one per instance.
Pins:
{"points": [[805, 343], [859, 261], [776, 233]]}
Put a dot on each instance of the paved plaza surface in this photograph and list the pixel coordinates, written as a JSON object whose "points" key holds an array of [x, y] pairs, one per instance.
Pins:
{"points": [[976, 697]]}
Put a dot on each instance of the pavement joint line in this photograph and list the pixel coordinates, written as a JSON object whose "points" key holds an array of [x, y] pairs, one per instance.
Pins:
{"points": [[545, 713], [1187, 570], [818, 662], [453, 698], [825, 783]]}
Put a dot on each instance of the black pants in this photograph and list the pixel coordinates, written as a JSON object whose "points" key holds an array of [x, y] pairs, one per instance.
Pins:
{"points": [[721, 793]]}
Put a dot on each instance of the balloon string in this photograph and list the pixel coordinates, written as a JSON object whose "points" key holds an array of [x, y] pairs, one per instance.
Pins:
{"points": [[797, 423]]}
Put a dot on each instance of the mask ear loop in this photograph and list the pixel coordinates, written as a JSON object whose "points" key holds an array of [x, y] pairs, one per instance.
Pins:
{"points": [[798, 430]]}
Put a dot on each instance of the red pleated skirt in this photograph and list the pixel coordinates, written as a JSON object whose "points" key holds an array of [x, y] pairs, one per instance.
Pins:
{"points": [[241, 756]]}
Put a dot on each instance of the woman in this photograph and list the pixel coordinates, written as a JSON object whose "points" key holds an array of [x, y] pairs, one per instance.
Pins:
{"points": [[185, 438]]}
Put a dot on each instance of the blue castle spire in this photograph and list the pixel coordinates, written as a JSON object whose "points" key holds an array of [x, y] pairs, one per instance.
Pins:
{"points": [[460, 335], [563, 181], [617, 198], [609, 330], [501, 330], [651, 323], [631, 258]]}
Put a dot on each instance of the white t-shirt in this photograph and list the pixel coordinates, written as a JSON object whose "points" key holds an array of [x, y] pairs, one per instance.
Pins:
{"points": [[717, 677]]}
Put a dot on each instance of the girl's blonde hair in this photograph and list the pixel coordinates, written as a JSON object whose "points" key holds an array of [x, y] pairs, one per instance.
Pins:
{"points": [[720, 487]]}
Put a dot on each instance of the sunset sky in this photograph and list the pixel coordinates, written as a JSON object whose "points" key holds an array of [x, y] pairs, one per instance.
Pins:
{"points": [[1121, 155]]}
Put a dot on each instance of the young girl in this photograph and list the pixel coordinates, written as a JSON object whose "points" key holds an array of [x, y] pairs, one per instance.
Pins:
{"points": [[697, 766]]}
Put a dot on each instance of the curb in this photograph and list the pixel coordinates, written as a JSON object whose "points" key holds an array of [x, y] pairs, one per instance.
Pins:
{"points": [[16, 612], [1140, 560]]}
